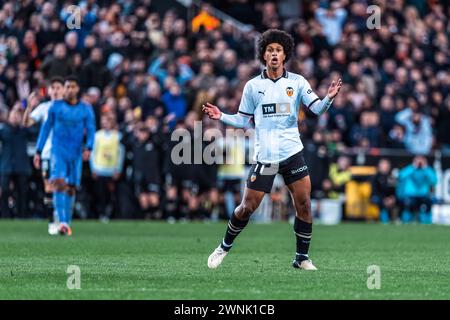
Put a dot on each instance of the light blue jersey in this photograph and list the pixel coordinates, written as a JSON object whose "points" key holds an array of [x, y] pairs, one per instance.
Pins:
{"points": [[69, 123]]}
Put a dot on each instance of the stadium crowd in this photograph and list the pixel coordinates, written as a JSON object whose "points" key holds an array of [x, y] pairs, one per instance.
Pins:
{"points": [[147, 73]]}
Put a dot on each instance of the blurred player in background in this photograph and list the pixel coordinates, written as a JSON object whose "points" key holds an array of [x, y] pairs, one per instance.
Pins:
{"points": [[38, 113], [146, 169], [273, 100], [181, 184], [69, 120], [383, 191]]}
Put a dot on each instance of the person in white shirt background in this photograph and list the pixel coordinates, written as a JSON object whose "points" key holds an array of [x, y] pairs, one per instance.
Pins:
{"points": [[37, 113]]}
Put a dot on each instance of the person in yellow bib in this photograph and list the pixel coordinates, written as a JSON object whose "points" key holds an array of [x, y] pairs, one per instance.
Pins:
{"points": [[106, 165]]}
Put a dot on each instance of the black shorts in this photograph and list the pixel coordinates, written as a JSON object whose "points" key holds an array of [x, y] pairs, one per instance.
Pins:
{"points": [[261, 176], [417, 203], [181, 182], [45, 169], [205, 178], [146, 184]]}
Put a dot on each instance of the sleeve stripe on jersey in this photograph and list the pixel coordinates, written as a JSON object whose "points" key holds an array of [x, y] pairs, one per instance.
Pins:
{"points": [[312, 102], [246, 114]]}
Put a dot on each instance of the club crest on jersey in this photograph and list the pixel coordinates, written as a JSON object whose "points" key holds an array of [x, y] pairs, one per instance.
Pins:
{"points": [[253, 178], [289, 91]]}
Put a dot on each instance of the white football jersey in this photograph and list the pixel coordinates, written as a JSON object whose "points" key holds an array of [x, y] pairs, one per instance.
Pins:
{"points": [[39, 115], [274, 106]]}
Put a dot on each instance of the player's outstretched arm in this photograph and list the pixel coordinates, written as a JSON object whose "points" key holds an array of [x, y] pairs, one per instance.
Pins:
{"points": [[45, 130], [236, 120], [320, 107], [334, 88], [43, 135], [90, 133]]}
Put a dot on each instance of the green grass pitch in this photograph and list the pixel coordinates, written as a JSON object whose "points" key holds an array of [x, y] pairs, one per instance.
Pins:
{"points": [[155, 260]]}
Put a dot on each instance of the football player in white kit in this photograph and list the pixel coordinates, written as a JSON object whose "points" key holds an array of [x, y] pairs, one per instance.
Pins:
{"points": [[38, 114], [273, 100]]}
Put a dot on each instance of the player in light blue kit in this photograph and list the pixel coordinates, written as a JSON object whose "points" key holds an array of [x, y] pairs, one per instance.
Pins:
{"points": [[69, 120]]}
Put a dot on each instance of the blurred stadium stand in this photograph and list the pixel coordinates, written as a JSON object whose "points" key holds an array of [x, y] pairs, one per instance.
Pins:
{"points": [[395, 102]]}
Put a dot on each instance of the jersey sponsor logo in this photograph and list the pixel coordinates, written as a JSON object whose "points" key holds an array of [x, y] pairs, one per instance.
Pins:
{"points": [[301, 169], [272, 108], [289, 91], [269, 108]]}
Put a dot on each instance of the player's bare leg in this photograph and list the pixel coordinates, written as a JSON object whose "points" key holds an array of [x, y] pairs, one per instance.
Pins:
{"points": [[60, 202], [149, 203], [171, 203], [53, 224], [70, 203], [250, 202], [300, 191]]}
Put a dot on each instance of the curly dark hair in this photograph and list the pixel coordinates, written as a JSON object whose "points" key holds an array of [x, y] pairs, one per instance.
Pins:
{"points": [[275, 36]]}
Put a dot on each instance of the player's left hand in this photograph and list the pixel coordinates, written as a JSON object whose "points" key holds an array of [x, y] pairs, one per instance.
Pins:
{"points": [[37, 161], [86, 154], [334, 88], [32, 100], [212, 111]]}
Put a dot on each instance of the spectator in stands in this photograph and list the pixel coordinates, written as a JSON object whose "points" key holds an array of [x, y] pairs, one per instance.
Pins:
{"points": [[228, 66], [152, 103], [383, 191], [332, 20], [88, 18], [30, 49], [415, 184], [14, 163], [164, 66], [387, 113], [443, 125], [367, 133], [58, 64], [396, 137], [94, 73], [175, 104], [418, 131], [205, 20]]}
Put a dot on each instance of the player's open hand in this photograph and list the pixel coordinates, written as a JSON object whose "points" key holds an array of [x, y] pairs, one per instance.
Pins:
{"points": [[32, 100], [334, 88], [86, 154], [37, 161], [212, 111]]}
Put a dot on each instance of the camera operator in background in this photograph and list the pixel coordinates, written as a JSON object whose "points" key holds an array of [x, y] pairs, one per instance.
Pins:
{"points": [[415, 189]]}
